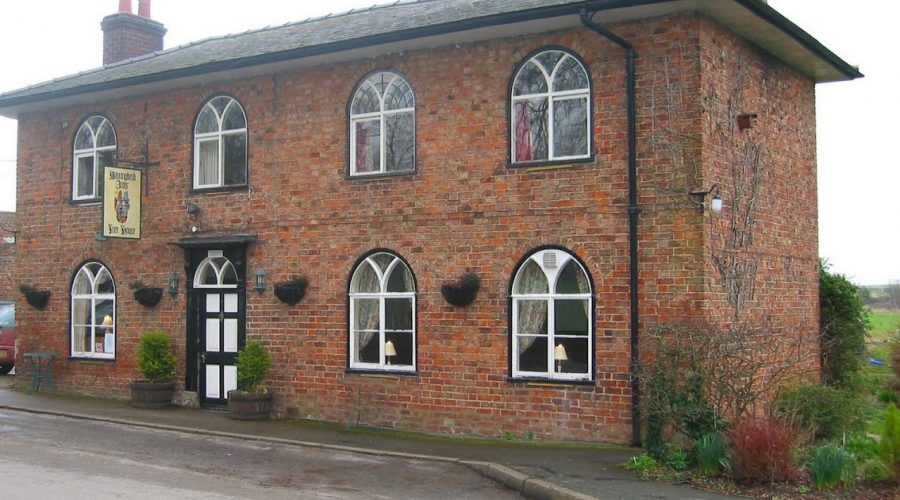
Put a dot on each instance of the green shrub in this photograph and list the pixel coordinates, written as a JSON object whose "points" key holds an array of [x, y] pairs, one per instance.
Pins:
{"points": [[711, 452], [873, 470], [861, 446], [831, 465], [889, 447], [887, 396], [843, 324], [641, 463], [253, 363], [828, 412], [155, 359], [676, 457]]}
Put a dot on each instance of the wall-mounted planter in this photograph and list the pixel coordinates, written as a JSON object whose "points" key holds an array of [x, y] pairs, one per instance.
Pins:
{"points": [[463, 292], [37, 299], [148, 296], [291, 292]]}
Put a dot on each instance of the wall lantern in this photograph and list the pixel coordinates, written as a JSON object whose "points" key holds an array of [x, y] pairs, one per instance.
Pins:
{"points": [[698, 197], [173, 283], [260, 280]]}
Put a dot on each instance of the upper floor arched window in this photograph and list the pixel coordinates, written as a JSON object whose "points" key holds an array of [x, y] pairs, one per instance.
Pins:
{"points": [[95, 148], [382, 126], [220, 144], [550, 109]]}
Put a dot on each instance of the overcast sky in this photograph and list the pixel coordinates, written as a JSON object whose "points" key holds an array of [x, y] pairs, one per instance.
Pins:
{"points": [[859, 218]]}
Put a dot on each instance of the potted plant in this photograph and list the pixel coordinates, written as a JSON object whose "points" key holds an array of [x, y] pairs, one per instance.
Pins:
{"points": [[463, 291], [156, 363], [36, 298], [291, 292], [252, 399], [145, 295]]}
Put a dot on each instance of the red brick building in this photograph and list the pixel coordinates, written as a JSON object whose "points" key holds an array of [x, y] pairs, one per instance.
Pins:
{"points": [[601, 167], [8, 290]]}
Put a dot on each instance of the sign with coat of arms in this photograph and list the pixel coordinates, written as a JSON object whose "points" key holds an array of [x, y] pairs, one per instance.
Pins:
{"points": [[122, 202]]}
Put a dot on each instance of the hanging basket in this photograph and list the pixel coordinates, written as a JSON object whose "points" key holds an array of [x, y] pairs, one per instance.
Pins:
{"points": [[291, 292], [463, 292], [36, 298], [148, 296]]}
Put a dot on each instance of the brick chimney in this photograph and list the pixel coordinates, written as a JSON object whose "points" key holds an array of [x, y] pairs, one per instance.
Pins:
{"points": [[126, 35]]}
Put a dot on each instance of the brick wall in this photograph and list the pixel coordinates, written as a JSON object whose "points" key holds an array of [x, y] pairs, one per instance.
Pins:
{"points": [[8, 290], [463, 210]]}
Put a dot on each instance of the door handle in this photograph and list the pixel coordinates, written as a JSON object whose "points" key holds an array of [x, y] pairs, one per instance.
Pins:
{"points": [[203, 357]]}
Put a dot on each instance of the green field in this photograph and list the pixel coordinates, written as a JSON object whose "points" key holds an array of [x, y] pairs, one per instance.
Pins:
{"points": [[884, 325]]}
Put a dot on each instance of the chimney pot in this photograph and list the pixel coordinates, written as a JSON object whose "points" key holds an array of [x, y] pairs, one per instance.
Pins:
{"points": [[125, 6], [144, 8]]}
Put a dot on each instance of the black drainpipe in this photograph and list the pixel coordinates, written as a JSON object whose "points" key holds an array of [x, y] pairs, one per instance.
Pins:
{"points": [[633, 211]]}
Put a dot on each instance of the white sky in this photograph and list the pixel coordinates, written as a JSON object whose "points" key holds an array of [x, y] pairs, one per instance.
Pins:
{"points": [[859, 220]]}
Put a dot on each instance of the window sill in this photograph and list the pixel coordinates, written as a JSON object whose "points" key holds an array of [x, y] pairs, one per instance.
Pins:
{"points": [[546, 382], [86, 201], [221, 189], [382, 175], [381, 373], [548, 164], [88, 358]]}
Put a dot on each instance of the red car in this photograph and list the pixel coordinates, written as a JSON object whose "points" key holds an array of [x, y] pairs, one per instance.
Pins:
{"points": [[7, 337]]}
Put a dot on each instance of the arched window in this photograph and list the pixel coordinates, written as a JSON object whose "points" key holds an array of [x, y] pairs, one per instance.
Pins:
{"points": [[382, 126], [93, 313], [220, 144], [551, 102], [95, 148], [215, 272], [552, 321], [382, 314]]}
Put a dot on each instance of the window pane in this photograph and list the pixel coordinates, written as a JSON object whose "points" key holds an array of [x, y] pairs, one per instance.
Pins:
{"points": [[106, 137], [84, 176], [84, 139], [530, 80], [208, 275], [81, 339], [366, 315], [530, 127], [532, 318], [571, 317], [532, 352], [235, 159], [531, 279], [365, 330], [570, 127], [102, 309], [365, 280], [207, 121], [398, 314], [104, 282], [577, 352], [366, 100], [234, 117], [399, 142], [368, 146], [229, 275], [209, 163], [572, 279], [81, 312], [549, 59], [106, 158], [403, 344], [570, 76], [399, 96], [400, 280], [383, 260], [220, 103]]}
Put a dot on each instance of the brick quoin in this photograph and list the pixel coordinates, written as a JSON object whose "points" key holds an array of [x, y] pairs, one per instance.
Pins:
{"points": [[463, 210]]}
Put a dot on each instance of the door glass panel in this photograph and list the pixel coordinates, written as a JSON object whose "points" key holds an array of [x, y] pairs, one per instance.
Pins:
{"points": [[231, 335], [212, 381], [212, 303], [212, 334], [231, 302], [230, 378]]}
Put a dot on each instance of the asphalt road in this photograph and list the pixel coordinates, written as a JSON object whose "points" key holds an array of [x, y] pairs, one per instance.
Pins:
{"points": [[56, 457]]}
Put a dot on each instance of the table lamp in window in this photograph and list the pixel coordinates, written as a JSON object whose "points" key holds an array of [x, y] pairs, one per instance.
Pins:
{"points": [[561, 355], [389, 351]]}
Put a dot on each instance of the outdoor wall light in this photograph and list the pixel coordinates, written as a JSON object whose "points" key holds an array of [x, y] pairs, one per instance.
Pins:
{"points": [[260, 280], [173, 283], [698, 197]]}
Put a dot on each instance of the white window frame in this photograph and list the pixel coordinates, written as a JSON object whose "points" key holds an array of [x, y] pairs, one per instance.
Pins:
{"points": [[219, 265], [219, 136], [380, 116], [562, 259], [552, 97], [93, 152], [381, 296], [95, 323]]}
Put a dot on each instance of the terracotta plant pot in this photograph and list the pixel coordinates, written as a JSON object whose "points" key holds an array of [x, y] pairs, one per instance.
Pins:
{"points": [[152, 394], [243, 405]]}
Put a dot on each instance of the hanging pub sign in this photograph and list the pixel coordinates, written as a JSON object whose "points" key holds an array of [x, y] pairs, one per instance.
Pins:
{"points": [[122, 202]]}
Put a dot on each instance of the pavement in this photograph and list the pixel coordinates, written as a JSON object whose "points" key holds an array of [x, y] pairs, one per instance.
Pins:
{"points": [[536, 470]]}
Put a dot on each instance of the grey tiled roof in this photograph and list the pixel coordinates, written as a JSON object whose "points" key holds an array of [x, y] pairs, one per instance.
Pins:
{"points": [[316, 35], [402, 20]]}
